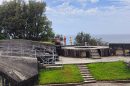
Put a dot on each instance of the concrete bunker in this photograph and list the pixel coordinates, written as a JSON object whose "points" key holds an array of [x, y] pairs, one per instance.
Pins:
{"points": [[85, 51], [20, 59]]}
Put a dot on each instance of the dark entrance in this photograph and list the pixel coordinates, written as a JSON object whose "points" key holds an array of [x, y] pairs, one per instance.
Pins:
{"points": [[88, 54]]}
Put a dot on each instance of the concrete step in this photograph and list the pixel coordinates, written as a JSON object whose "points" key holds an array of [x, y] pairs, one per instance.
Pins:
{"points": [[92, 81], [87, 72], [53, 67], [83, 66], [52, 64], [96, 57], [84, 72], [87, 76], [87, 79]]}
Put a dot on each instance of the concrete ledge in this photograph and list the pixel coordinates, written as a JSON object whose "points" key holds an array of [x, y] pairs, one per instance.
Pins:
{"points": [[115, 81], [66, 84], [74, 84], [123, 81]]}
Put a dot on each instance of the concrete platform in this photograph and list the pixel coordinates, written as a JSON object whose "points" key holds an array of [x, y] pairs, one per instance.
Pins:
{"points": [[85, 47], [71, 60]]}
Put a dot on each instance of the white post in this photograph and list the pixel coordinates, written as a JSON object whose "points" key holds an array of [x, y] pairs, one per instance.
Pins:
{"points": [[21, 49], [53, 56], [35, 53], [8, 49]]}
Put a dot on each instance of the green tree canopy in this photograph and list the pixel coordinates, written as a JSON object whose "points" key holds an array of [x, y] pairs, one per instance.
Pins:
{"points": [[22, 20], [82, 37]]}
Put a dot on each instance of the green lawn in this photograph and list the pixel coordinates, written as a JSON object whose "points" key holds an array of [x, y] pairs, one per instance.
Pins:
{"points": [[69, 74], [110, 71]]}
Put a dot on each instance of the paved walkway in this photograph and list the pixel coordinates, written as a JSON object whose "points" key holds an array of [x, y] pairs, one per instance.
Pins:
{"points": [[71, 60], [95, 84], [106, 84]]}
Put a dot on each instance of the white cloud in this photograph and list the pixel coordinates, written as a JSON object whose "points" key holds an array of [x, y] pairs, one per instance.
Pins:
{"points": [[105, 19], [127, 1], [93, 21], [67, 9], [123, 2], [92, 1], [84, 3], [1, 1]]}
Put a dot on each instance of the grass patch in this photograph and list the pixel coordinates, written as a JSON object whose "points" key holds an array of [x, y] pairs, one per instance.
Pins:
{"points": [[69, 74], [110, 71]]}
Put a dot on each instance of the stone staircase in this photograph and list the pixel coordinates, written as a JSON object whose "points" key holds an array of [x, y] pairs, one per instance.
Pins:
{"points": [[88, 78], [51, 66], [94, 54]]}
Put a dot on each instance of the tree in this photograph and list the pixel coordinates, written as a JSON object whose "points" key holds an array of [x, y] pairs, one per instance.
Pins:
{"points": [[82, 37], [58, 40], [93, 41], [25, 20], [59, 37]]}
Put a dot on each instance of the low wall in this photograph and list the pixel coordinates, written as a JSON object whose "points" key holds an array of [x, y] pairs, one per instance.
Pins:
{"points": [[84, 51]]}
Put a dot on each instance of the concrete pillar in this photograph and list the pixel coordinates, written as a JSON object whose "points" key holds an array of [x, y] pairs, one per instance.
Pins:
{"points": [[101, 52], [2, 81], [6, 82]]}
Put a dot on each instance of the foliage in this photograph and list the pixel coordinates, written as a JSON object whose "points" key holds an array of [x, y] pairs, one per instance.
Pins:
{"points": [[110, 71], [82, 37], [25, 20], [69, 74], [2, 36], [59, 37]]}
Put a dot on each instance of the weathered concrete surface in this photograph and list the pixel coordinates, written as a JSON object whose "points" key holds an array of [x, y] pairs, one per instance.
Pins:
{"points": [[19, 68], [71, 60], [85, 47]]}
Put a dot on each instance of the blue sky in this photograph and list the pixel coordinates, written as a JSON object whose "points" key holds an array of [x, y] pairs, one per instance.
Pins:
{"points": [[92, 16]]}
